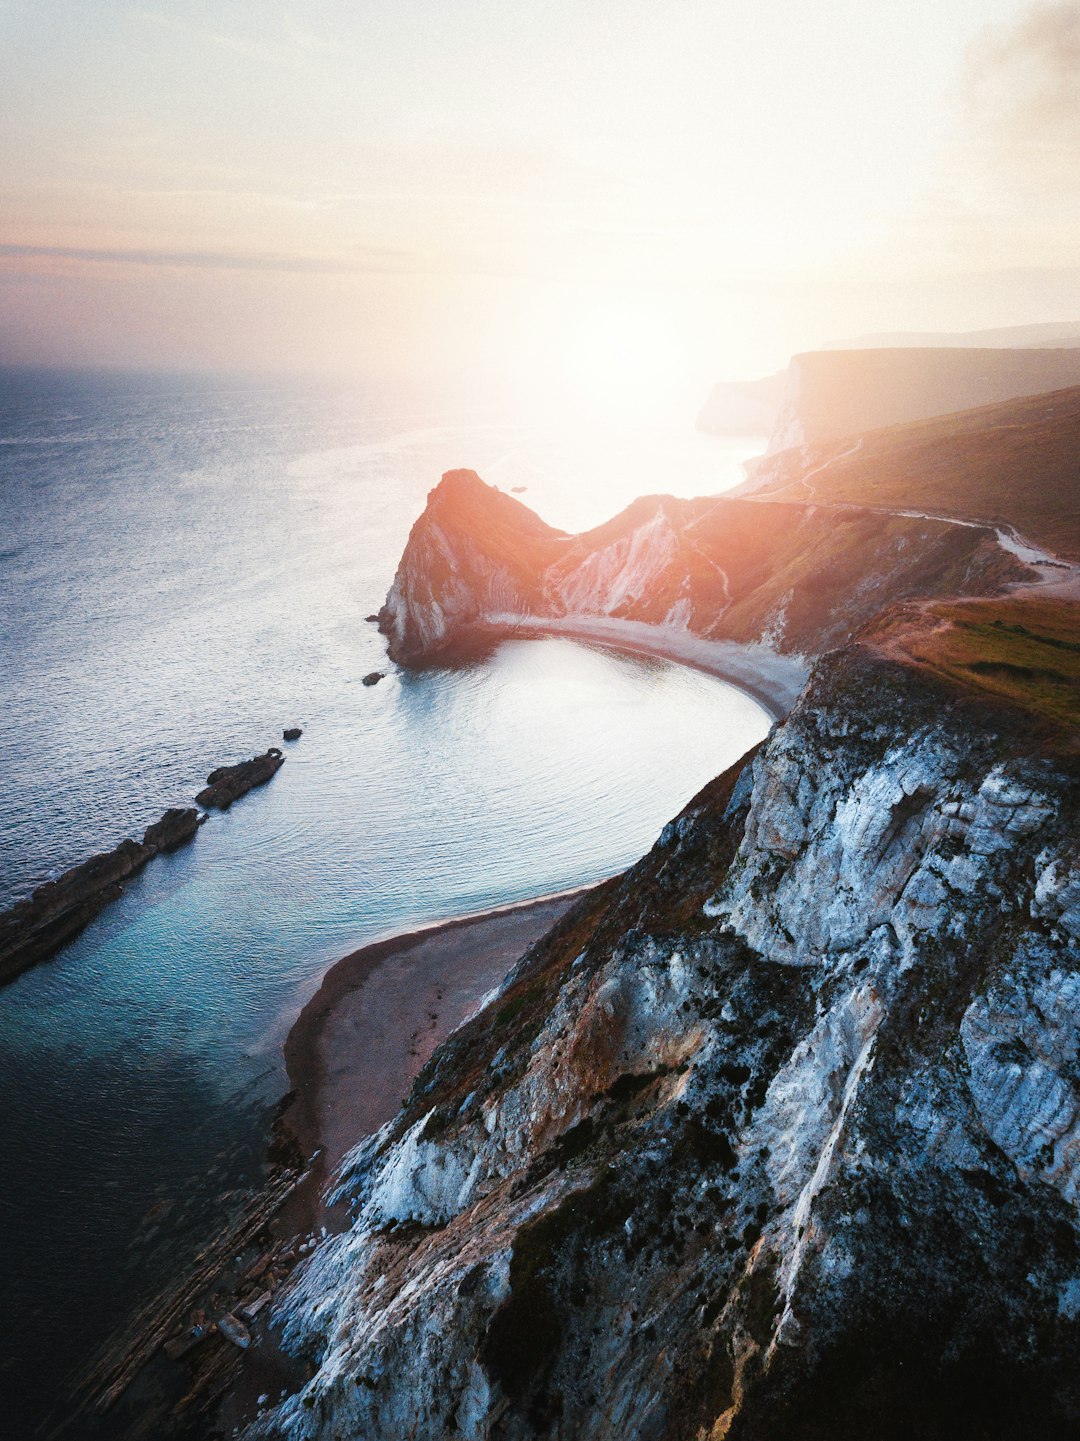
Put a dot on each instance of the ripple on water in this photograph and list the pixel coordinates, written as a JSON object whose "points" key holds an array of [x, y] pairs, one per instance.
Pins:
{"points": [[180, 583]]}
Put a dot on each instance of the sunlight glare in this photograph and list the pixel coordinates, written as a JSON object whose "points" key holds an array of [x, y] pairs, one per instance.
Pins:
{"points": [[610, 357]]}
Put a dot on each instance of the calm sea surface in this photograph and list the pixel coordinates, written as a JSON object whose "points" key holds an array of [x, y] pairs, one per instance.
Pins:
{"points": [[184, 569]]}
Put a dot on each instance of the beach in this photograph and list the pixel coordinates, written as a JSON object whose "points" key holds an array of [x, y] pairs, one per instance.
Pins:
{"points": [[381, 1011], [771, 678], [376, 1019]]}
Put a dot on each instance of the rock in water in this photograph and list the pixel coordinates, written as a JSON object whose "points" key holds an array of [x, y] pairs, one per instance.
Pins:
{"points": [[35, 929], [374, 677], [175, 828], [229, 783], [293, 733]]}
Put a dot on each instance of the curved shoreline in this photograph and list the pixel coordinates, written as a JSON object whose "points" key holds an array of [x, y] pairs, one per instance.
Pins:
{"points": [[379, 1013], [771, 679], [475, 944]]}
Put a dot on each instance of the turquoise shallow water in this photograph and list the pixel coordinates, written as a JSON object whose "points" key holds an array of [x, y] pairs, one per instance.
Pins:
{"points": [[184, 569]]}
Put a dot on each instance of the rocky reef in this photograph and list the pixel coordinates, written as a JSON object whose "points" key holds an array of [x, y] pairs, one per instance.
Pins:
{"points": [[775, 1137], [228, 783], [56, 912], [35, 929]]}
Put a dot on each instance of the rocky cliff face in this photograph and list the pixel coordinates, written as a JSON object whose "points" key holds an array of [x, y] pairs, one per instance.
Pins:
{"points": [[794, 576], [775, 1137]]}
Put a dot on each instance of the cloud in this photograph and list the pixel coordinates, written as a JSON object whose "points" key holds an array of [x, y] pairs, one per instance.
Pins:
{"points": [[370, 259], [1022, 95]]}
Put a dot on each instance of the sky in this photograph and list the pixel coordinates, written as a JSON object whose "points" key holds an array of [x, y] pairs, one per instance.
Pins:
{"points": [[604, 193]]}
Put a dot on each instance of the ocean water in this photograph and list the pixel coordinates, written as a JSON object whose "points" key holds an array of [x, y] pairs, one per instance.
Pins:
{"points": [[185, 565]]}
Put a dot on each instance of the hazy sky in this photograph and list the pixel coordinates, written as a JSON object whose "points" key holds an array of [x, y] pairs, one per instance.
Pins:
{"points": [[529, 189]]}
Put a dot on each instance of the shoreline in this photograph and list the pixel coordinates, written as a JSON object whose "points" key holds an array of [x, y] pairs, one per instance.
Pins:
{"points": [[435, 949], [378, 1014], [353, 1052], [774, 681]]}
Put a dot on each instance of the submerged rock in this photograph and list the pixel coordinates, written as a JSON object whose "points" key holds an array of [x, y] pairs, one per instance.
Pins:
{"points": [[35, 929], [229, 783]]}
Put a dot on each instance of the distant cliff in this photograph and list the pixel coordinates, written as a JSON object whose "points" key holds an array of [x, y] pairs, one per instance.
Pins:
{"points": [[776, 1138], [743, 407], [1013, 465], [844, 392]]}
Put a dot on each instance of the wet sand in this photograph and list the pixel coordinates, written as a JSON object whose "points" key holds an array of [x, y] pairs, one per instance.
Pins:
{"points": [[376, 1019]]}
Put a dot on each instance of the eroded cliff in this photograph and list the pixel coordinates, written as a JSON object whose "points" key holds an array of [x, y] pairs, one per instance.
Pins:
{"points": [[775, 1137], [794, 577]]}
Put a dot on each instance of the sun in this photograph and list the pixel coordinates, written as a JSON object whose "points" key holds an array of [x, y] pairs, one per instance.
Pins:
{"points": [[611, 357], [621, 355]]}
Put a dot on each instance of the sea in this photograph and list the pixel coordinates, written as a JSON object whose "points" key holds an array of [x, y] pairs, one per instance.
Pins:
{"points": [[186, 563]]}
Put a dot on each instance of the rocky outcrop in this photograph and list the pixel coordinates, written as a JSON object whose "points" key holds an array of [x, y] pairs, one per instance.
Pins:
{"points": [[228, 783], [175, 828], [35, 929], [474, 551], [292, 733], [775, 1137], [791, 576]]}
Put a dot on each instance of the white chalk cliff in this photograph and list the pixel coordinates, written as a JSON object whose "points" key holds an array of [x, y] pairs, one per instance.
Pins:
{"points": [[775, 1137], [793, 577]]}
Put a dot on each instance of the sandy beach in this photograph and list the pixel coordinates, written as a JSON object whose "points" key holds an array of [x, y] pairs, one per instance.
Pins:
{"points": [[381, 1011], [773, 679], [375, 1021]]}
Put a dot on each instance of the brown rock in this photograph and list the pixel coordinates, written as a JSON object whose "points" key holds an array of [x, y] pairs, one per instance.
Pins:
{"points": [[228, 783]]}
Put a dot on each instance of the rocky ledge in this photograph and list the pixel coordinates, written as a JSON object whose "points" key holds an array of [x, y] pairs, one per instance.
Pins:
{"points": [[228, 783], [35, 929], [775, 1138]]}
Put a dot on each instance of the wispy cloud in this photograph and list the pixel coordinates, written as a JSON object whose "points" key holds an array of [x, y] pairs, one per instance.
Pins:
{"points": [[364, 259], [1022, 92]]}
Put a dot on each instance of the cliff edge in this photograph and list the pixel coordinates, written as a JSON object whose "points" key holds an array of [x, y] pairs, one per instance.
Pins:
{"points": [[775, 1137], [790, 576]]}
